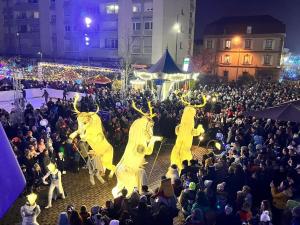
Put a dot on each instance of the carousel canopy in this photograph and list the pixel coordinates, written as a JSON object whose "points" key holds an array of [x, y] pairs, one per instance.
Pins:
{"points": [[164, 69], [165, 64]]}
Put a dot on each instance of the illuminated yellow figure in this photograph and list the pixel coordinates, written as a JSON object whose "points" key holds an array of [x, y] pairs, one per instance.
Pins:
{"points": [[90, 130], [130, 170], [185, 132]]}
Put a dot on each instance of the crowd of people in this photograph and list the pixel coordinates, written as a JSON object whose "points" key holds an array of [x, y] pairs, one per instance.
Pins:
{"points": [[255, 181]]}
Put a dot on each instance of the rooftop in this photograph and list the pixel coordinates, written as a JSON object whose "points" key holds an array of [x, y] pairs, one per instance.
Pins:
{"points": [[262, 24]]}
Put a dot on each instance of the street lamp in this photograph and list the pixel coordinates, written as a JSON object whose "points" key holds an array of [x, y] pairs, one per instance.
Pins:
{"points": [[19, 43], [177, 29], [88, 21], [237, 42], [41, 55]]}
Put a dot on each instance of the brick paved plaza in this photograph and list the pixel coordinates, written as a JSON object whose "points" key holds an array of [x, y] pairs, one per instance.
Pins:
{"points": [[79, 191]]}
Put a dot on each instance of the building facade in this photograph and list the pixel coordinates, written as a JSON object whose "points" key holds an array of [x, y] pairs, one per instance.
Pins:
{"points": [[250, 45], [138, 30]]}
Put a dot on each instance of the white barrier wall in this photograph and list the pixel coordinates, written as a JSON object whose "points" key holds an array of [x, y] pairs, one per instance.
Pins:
{"points": [[7, 96]]}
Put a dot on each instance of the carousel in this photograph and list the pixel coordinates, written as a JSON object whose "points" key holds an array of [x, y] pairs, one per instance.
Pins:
{"points": [[165, 76]]}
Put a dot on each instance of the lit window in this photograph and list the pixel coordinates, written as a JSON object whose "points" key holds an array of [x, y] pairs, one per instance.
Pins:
{"points": [[247, 59], [227, 44], [136, 26], [136, 8], [148, 25], [209, 44], [112, 9], [36, 15], [267, 59], [248, 43], [249, 29], [227, 59], [269, 44], [148, 7]]}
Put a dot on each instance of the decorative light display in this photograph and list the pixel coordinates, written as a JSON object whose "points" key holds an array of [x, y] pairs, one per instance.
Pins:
{"points": [[291, 68], [185, 132], [75, 67], [90, 129]]}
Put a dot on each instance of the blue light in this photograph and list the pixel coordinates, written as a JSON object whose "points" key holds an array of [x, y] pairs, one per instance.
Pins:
{"points": [[291, 69]]}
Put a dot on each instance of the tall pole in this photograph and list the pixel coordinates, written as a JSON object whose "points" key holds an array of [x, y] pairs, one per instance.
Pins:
{"points": [[177, 31], [237, 67], [19, 44]]}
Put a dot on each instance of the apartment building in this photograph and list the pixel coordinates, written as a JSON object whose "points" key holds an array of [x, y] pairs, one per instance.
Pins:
{"points": [[245, 45], [138, 30]]}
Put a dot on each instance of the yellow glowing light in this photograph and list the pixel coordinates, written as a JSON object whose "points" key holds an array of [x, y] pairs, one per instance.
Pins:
{"points": [[214, 99], [218, 145], [237, 40], [177, 27], [130, 169], [73, 67], [90, 129], [31, 198], [51, 167], [201, 138], [185, 132]]}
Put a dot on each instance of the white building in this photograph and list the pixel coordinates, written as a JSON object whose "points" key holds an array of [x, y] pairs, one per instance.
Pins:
{"points": [[138, 30]]}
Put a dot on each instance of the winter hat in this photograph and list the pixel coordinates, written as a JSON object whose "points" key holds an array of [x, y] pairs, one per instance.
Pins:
{"points": [[192, 186], [228, 210], [63, 219], [221, 186], [258, 147], [265, 217], [95, 209], [114, 222], [208, 183], [143, 198]]}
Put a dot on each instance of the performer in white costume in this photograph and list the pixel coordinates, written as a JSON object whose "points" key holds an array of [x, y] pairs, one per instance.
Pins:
{"points": [[95, 167], [30, 210], [55, 185]]}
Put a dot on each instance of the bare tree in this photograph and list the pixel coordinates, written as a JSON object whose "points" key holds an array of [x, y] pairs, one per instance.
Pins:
{"points": [[205, 62]]}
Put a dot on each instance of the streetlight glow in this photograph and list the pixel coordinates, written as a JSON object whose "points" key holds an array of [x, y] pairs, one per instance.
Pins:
{"points": [[177, 27], [88, 21], [237, 40]]}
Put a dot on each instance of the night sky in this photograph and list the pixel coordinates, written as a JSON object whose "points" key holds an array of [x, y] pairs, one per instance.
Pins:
{"points": [[288, 11]]}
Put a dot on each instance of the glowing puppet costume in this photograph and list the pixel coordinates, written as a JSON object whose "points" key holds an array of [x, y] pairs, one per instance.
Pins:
{"points": [[130, 170], [90, 130], [30, 210], [185, 132], [56, 183]]}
